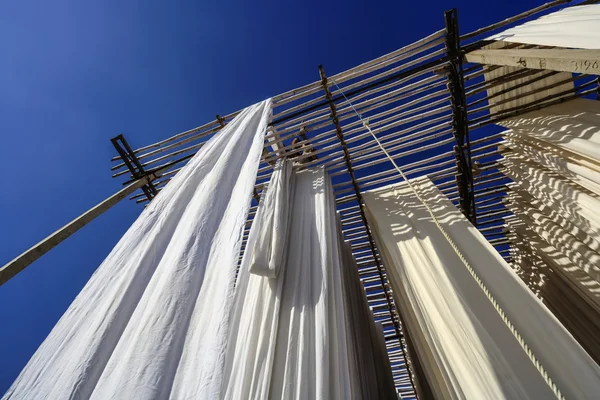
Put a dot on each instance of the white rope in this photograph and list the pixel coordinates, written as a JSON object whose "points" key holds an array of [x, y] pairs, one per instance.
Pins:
{"points": [[485, 290]]}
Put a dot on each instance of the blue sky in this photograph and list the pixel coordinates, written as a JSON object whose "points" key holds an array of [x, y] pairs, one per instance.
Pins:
{"points": [[76, 73]]}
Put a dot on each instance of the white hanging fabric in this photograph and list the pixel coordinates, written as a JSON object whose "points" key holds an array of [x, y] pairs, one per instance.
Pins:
{"points": [[574, 27], [292, 337], [273, 219], [370, 362], [573, 126], [151, 322], [465, 348], [553, 158]]}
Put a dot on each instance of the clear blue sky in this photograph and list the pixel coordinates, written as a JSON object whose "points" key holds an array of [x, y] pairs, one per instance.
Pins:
{"points": [[76, 73]]}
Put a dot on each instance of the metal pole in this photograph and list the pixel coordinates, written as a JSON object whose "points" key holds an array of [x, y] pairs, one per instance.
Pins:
{"points": [[460, 123], [358, 196], [133, 164]]}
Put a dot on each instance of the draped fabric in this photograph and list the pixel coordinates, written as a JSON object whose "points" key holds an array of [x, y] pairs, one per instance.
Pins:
{"points": [[272, 222], [373, 377], [306, 334], [553, 157], [462, 344], [151, 322], [573, 27]]}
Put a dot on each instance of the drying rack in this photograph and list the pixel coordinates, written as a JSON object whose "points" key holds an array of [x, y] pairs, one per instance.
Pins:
{"points": [[433, 105]]}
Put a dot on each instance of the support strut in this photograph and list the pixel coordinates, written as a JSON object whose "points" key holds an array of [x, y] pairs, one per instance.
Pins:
{"points": [[133, 164], [460, 123], [361, 204]]}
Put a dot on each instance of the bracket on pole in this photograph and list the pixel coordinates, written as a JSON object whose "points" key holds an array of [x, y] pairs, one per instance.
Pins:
{"points": [[133, 164], [460, 122]]}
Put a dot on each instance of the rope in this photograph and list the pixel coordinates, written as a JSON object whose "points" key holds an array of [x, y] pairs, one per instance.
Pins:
{"points": [[460, 255]]}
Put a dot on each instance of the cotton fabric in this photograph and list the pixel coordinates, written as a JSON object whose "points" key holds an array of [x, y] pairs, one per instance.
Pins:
{"points": [[151, 322], [272, 221], [306, 333], [553, 158], [465, 349], [574, 27]]}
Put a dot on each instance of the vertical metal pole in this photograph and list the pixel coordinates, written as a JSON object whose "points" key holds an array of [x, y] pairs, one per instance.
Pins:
{"points": [[384, 284], [460, 123]]}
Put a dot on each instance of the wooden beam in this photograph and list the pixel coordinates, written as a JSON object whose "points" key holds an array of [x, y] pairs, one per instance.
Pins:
{"points": [[566, 60], [24, 260], [402, 74]]}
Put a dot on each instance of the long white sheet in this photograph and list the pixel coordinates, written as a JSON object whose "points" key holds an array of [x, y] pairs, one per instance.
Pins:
{"points": [[151, 321], [575, 27], [465, 348], [272, 221], [369, 359], [292, 336]]}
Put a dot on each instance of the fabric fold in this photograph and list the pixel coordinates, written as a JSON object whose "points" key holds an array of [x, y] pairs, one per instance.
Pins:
{"points": [[464, 346], [271, 244], [553, 157], [157, 306], [572, 27], [295, 336]]}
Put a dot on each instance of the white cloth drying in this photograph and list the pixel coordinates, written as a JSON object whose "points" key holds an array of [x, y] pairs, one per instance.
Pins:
{"points": [[466, 350], [553, 157], [272, 219], [575, 27], [292, 337], [151, 322]]}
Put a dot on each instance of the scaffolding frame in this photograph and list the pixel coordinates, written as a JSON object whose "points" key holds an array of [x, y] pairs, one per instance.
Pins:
{"points": [[429, 101], [422, 100]]}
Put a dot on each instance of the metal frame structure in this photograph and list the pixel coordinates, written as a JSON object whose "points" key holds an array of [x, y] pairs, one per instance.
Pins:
{"points": [[429, 101], [423, 101], [460, 123], [133, 164]]}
